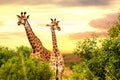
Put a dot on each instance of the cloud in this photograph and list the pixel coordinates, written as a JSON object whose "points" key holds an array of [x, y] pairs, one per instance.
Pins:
{"points": [[26, 2], [104, 23], [94, 2], [83, 2], [83, 35], [59, 2]]}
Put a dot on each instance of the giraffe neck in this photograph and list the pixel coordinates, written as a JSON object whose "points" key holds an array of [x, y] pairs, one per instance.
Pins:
{"points": [[54, 42], [34, 41]]}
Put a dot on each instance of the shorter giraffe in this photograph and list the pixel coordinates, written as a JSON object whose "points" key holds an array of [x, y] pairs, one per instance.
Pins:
{"points": [[56, 59], [38, 50]]}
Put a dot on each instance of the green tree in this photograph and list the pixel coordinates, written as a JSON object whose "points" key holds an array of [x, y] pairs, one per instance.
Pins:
{"points": [[115, 30], [16, 65], [86, 48], [24, 50], [103, 62], [100, 62], [20, 68], [6, 54]]}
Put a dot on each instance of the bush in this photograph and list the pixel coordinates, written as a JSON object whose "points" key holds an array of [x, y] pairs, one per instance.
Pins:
{"points": [[6, 54], [115, 30], [24, 50], [19, 66], [87, 48], [100, 63]]}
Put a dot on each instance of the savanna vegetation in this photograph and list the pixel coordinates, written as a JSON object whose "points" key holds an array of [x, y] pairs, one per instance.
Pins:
{"points": [[100, 58], [94, 59], [16, 65]]}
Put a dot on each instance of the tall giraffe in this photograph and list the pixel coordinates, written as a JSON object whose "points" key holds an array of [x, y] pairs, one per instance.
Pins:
{"points": [[56, 59], [38, 50]]}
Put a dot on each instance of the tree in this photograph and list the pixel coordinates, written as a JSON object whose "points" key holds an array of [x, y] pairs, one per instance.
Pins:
{"points": [[115, 30], [6, 54], [24, 50], [100, 63], [16, 65]]}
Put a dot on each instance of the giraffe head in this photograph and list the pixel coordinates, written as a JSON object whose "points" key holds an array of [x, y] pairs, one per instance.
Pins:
{"points": [[54, 25], [22, 18]]}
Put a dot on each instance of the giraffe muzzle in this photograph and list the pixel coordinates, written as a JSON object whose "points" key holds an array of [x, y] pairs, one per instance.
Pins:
{"points": [[18, 23], [47, 24], [58, 28]]}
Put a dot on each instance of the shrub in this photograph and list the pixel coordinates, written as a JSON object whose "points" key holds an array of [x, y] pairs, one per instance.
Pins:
{"points": [[16, 65], [100, 62], [6, 54], [24, 50]]}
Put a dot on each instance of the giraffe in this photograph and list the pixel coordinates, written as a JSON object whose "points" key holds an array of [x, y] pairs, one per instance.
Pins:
{"points": [[56, 59], [38, 50]]}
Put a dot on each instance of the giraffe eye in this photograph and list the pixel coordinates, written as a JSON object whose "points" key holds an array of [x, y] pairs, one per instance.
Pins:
{"points": [[53, 25], [24, 18]]}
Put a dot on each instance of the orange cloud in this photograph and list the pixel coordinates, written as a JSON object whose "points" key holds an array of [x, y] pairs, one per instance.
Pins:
{"points": [[83, 35], [104, 23], [59, 2], [94, 2]]}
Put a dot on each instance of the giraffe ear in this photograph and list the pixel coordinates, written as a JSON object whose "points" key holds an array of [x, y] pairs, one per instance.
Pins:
{"points": [[51, 19], [28, 16], [58, 21], [47, 24], [18, 16]]}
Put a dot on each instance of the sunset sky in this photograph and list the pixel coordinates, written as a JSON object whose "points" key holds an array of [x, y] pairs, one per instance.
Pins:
{"points": [[79, 19]]}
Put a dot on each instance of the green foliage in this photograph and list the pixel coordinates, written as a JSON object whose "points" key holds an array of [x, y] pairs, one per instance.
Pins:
{"points": [[6, 54], [70, 64], [24, 50], [38, 71], [115, 30], [100, 62], [81, 72], [19, 66], [112, 49], [86, 48]]}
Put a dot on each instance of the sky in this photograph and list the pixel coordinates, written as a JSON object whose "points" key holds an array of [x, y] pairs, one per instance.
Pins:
{"points": [[79, 19]]}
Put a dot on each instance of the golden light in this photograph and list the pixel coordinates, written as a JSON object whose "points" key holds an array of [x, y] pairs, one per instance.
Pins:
{"points": [[72, 20]]}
